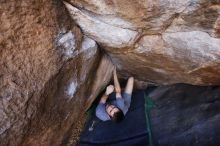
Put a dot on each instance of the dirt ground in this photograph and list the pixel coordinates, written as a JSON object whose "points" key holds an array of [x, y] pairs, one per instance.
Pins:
{"points": [[76, 130]]}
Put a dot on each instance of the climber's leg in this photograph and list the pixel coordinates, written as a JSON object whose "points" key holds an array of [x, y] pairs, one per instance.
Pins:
{"points": [[128, 92], [129, 86]]}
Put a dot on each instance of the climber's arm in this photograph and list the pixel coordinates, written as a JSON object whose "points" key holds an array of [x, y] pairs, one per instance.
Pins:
{"points": [[100, 109], [117, 85], [108, 91]]}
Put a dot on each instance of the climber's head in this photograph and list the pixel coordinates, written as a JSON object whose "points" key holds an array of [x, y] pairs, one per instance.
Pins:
{"points": [[115, 113]]}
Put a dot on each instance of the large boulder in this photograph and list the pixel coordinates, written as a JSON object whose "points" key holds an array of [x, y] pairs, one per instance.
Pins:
{"points": [[47, 70], [162, 42]]}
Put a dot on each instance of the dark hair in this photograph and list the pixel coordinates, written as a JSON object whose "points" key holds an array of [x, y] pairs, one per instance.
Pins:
{"points": [[117, 116]]}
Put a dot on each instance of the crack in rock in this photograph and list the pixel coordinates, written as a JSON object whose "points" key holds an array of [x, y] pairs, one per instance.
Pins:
{"points": [[101, 32]]}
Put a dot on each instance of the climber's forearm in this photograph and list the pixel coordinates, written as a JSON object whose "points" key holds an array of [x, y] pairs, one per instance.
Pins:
{"points": [[104, 98], [116, 82]]}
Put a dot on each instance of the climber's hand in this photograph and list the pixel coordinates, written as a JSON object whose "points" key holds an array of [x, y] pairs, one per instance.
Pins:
{"points": [[109, 89]]}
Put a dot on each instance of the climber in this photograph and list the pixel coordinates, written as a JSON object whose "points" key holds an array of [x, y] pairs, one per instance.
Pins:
{"points": [[116, 109]]}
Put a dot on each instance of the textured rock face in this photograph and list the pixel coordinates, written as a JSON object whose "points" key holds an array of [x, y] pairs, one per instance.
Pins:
{"points": [[162, 42], [28, 61], [101, 80], [97, 28], [47, 67]]}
